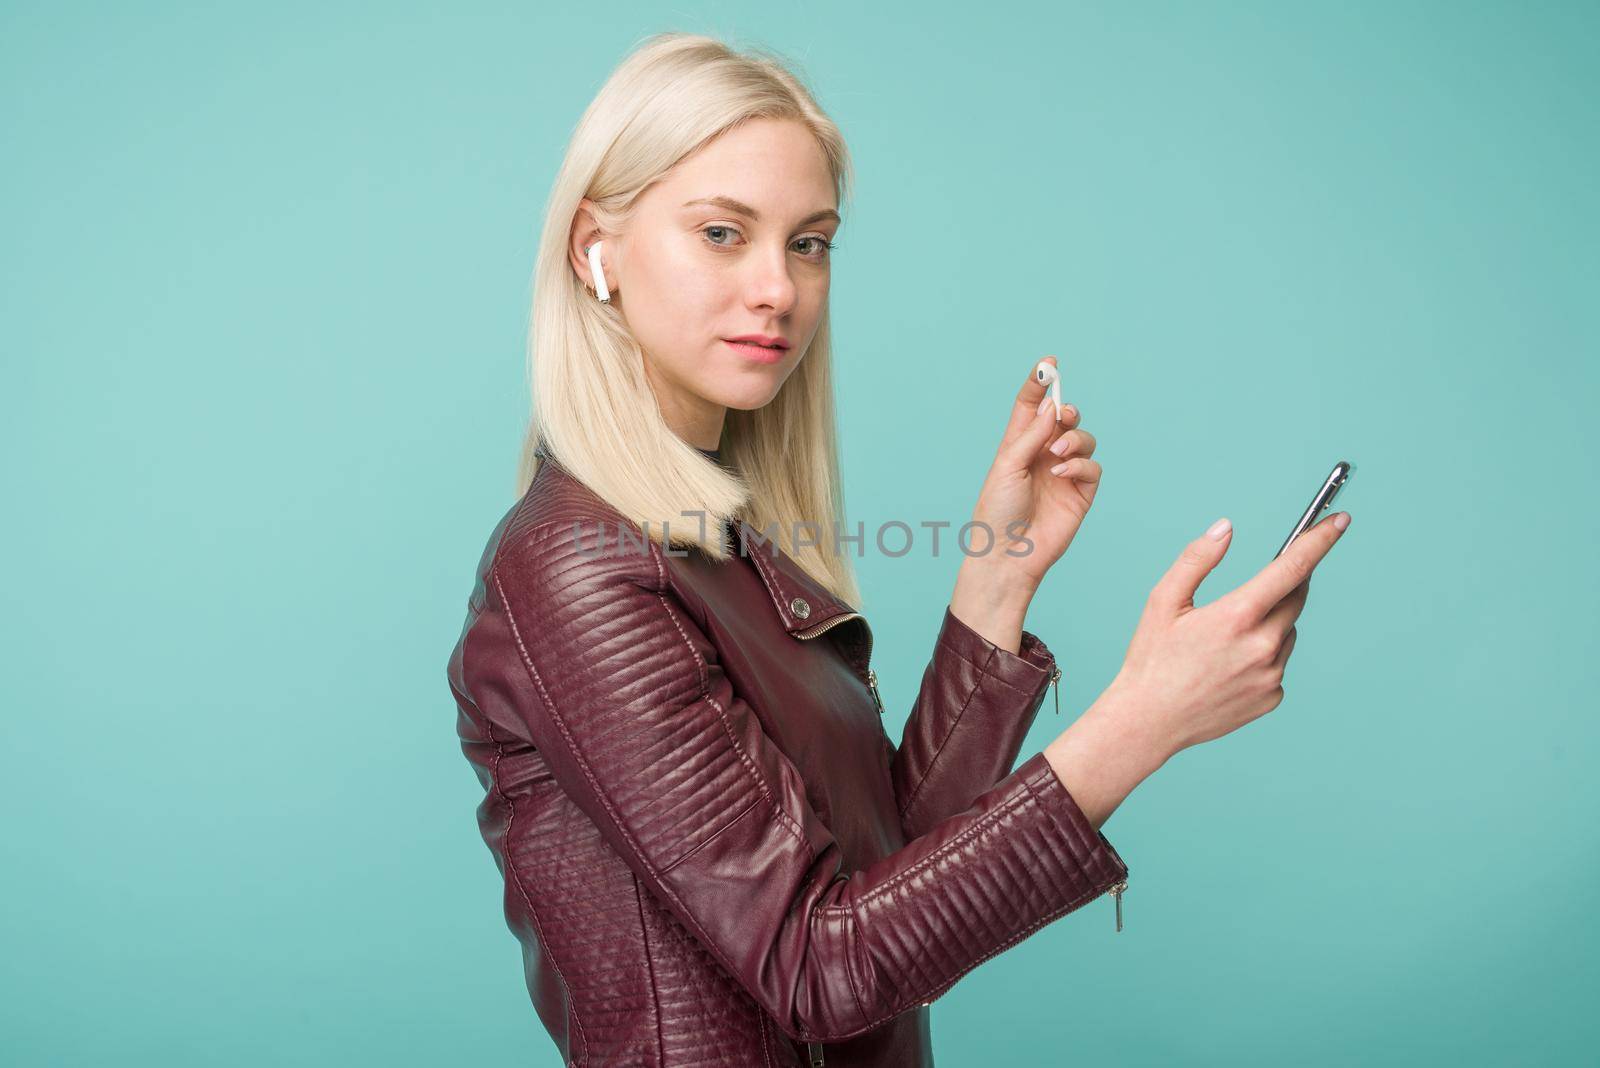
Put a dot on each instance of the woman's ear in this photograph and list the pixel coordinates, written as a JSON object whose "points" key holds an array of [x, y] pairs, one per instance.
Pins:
{"points": [[585, 233]]}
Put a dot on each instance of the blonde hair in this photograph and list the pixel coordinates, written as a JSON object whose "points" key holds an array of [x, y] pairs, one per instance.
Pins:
{"points": [[593, 409]]}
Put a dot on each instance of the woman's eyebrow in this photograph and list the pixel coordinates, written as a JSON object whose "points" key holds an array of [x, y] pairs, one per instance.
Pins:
{"points": [[730, 204]]}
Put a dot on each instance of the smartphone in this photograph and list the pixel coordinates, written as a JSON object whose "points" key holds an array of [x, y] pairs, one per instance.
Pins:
{"points": [[1324, 497]]}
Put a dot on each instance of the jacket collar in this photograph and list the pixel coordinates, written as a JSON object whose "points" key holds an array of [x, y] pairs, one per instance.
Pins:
{"points": [[804, 606], [801, 602]]}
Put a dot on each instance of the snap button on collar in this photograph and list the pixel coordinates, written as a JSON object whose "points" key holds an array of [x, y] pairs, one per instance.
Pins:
{"points": [[799, 607]]}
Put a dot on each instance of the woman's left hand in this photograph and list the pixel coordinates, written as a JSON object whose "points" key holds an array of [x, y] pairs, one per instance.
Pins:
{"points": [[1040, 487]]}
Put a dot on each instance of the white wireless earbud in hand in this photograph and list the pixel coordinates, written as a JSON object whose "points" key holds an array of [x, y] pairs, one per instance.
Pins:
{"points": [[599, 274], [1047, 373]]}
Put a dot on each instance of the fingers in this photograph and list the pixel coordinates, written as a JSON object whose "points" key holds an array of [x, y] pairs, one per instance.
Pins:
{"points": [[1280, 661], [1027, 403], [1075, 442], [1177, 587], [1079, 469], [1255, 598], [1025, 439], [1020, 448], [1286, 611]]}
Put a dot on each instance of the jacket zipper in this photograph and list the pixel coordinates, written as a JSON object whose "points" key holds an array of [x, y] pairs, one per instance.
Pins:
{"points": [[827, 625], [814, 1049]]}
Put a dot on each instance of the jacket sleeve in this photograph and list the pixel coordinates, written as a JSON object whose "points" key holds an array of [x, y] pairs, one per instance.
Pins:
{"points": [[604, 672], [972, 714]]}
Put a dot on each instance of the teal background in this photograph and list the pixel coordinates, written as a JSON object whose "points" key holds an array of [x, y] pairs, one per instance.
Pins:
{"points": [[265, 284]]}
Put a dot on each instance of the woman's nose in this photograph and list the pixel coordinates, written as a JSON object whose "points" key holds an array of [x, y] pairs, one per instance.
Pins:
{"points": [[770, 284]]}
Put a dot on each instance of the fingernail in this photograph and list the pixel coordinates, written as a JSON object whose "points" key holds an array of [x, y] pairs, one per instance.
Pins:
{"points": [[1341, 520], [1062, 444], [1218, 529], [1044, 405], [1059, 468], [1070, 411]]}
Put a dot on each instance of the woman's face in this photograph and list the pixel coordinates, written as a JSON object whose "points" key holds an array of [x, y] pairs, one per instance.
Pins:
{"points": [[732, 242]]}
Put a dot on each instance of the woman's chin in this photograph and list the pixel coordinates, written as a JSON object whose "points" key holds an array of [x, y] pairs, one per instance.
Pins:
{"points": [[749, 388], [749, 403]]}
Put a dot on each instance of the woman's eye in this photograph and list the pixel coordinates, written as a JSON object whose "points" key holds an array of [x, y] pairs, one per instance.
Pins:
{"points": [[817, 246]]}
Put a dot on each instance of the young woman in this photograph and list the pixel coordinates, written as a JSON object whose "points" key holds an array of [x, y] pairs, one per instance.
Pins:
{"points": [[712, 850]]}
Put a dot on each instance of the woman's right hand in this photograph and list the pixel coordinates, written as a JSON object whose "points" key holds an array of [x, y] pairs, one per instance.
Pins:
{"points": [[1194, 674]]}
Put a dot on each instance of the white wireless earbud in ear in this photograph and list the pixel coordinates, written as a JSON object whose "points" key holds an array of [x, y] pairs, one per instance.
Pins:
{"points": [[1047, 373], [599, 274]]}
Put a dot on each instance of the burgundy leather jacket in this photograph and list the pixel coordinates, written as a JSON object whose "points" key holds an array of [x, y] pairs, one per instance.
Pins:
{"points": [[712, 851]]}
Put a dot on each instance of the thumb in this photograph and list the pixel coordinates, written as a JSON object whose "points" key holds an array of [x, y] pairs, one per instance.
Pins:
{"points": [[1178, 586], [1025, 445]]}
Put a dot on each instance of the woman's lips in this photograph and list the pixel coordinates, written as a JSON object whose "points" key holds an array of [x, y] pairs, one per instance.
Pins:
{"points": [[758, 353]]}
